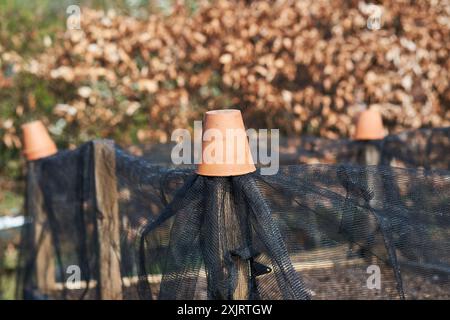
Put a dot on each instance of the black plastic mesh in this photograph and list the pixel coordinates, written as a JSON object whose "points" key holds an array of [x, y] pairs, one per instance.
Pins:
{"points": [[425, 148], [60, 190], [317, 228], [310, 231]]}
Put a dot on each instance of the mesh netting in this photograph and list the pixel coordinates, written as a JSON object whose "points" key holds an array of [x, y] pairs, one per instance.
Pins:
{"points": [[309, 231], [59, 233], [136, 230], [425, 148]]}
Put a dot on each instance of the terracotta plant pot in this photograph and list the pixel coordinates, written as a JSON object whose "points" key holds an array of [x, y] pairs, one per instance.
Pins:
{"points": [[37, 142], [369, 126], [225, 148]]}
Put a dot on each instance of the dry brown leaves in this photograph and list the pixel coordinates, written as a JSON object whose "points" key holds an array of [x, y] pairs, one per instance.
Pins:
{"points": [[302, 66]]}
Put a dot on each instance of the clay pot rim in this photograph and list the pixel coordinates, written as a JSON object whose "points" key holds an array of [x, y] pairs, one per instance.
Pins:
{"points": [[31, 150], [35, 156], [234, 174]]}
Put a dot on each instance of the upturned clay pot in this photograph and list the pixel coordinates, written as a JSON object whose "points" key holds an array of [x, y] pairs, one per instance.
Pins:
{"points": [[37, 142], [225, 148], [369, 126]]}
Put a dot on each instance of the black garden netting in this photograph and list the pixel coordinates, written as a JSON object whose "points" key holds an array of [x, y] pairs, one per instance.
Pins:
{"points": [[103, 224], [423, 148]]}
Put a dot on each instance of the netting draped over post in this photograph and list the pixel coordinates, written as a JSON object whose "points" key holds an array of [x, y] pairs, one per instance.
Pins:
{"points": [[71, 226], [320, 231], [311, 231]]}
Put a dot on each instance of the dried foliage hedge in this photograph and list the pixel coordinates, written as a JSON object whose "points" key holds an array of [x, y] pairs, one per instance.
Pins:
{"points": [[301, 66]]}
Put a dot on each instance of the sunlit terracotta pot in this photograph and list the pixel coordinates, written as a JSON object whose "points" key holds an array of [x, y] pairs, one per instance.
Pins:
{"points": [[37, 142], [369, 125], [225, 148]]}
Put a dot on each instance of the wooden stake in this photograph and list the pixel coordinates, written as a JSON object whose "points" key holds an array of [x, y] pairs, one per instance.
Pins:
{"points": [[372, 157], [236, 238], [224, 235], [45, 259], [108, 221]]}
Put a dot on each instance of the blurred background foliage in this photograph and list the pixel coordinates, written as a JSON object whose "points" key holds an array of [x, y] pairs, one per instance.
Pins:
{"points": [[138, 69], [27, 29]]}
